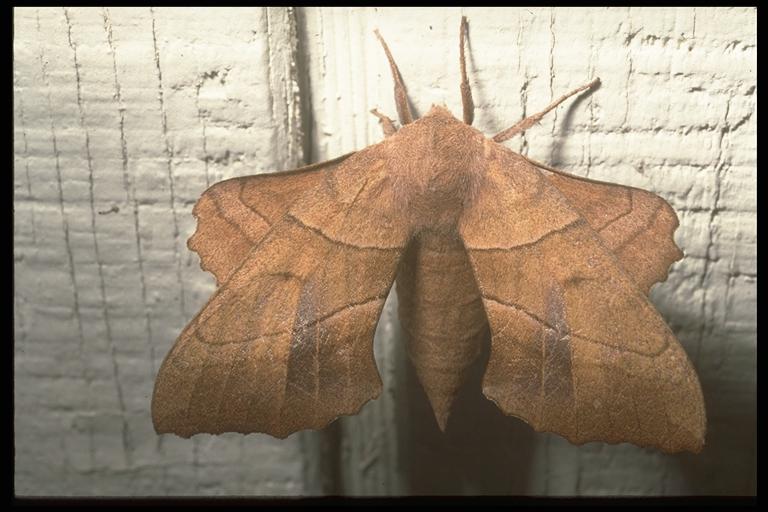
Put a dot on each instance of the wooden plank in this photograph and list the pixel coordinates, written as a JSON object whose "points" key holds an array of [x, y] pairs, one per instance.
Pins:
{"points": [[123, 116]]}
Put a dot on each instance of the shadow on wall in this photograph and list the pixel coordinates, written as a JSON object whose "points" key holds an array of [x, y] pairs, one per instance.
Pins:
{"points": [[557, 144], [728, 463], [482, 451]]}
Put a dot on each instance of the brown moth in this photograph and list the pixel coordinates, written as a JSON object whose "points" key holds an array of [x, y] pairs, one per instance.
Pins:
{"points": [[480, 239]]}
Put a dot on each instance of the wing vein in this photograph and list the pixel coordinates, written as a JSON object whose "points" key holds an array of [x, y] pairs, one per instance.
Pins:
{"points": [[588, 339], [311, 323], [578, 221], [341, 242]]}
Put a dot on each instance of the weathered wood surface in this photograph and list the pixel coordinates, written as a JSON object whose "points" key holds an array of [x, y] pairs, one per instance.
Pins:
{"points": [[123, 117], [132, 112]]}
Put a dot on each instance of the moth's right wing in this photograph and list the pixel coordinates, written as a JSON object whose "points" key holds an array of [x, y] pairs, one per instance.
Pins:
{"points": [[577, 348], [286, 342], [636, 225], [233, 215]]}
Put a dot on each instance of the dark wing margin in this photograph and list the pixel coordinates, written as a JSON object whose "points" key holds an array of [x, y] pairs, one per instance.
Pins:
{"points": [[577, 349], [285, 343]]}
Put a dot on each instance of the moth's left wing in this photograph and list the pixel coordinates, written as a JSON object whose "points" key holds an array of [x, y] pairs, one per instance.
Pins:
{"points": [[577, 348], [242, 210], [285, 343]]}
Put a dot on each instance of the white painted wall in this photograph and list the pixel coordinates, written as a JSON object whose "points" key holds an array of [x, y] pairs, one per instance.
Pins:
{"points": [[134, 112], [122, 118]]}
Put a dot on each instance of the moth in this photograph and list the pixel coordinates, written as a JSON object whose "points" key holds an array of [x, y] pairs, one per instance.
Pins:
{"points": [[479, 239]]}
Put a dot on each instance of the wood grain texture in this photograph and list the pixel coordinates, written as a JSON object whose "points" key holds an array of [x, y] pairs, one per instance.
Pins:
{"points": [[127, 115]]}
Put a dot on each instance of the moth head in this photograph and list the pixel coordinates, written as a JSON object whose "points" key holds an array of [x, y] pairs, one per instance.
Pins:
{"points": [[442, 114]]}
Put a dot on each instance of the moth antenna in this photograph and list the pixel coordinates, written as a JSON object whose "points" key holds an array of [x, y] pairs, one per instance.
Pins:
{"points": [[468, 106], [401, 99], [531, 120], [386, 123]]}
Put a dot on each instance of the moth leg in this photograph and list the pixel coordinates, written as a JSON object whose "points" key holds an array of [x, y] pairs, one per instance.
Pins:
{"points": [[468, 106], [386, 123], [401, 99], [531, 120]]}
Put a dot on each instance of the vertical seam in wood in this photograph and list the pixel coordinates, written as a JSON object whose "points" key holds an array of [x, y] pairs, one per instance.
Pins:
{"points": [[64, 221], [273, 117], [552, 77], [168, 149], [524, 87], [720, 165], [303, 86], [323, 456], [591, 72], [202, 121], [99, 263], [23, 123], [130, 188]]}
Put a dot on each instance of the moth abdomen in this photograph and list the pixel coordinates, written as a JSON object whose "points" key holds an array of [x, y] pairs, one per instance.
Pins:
{"points": [[442, 314]]}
